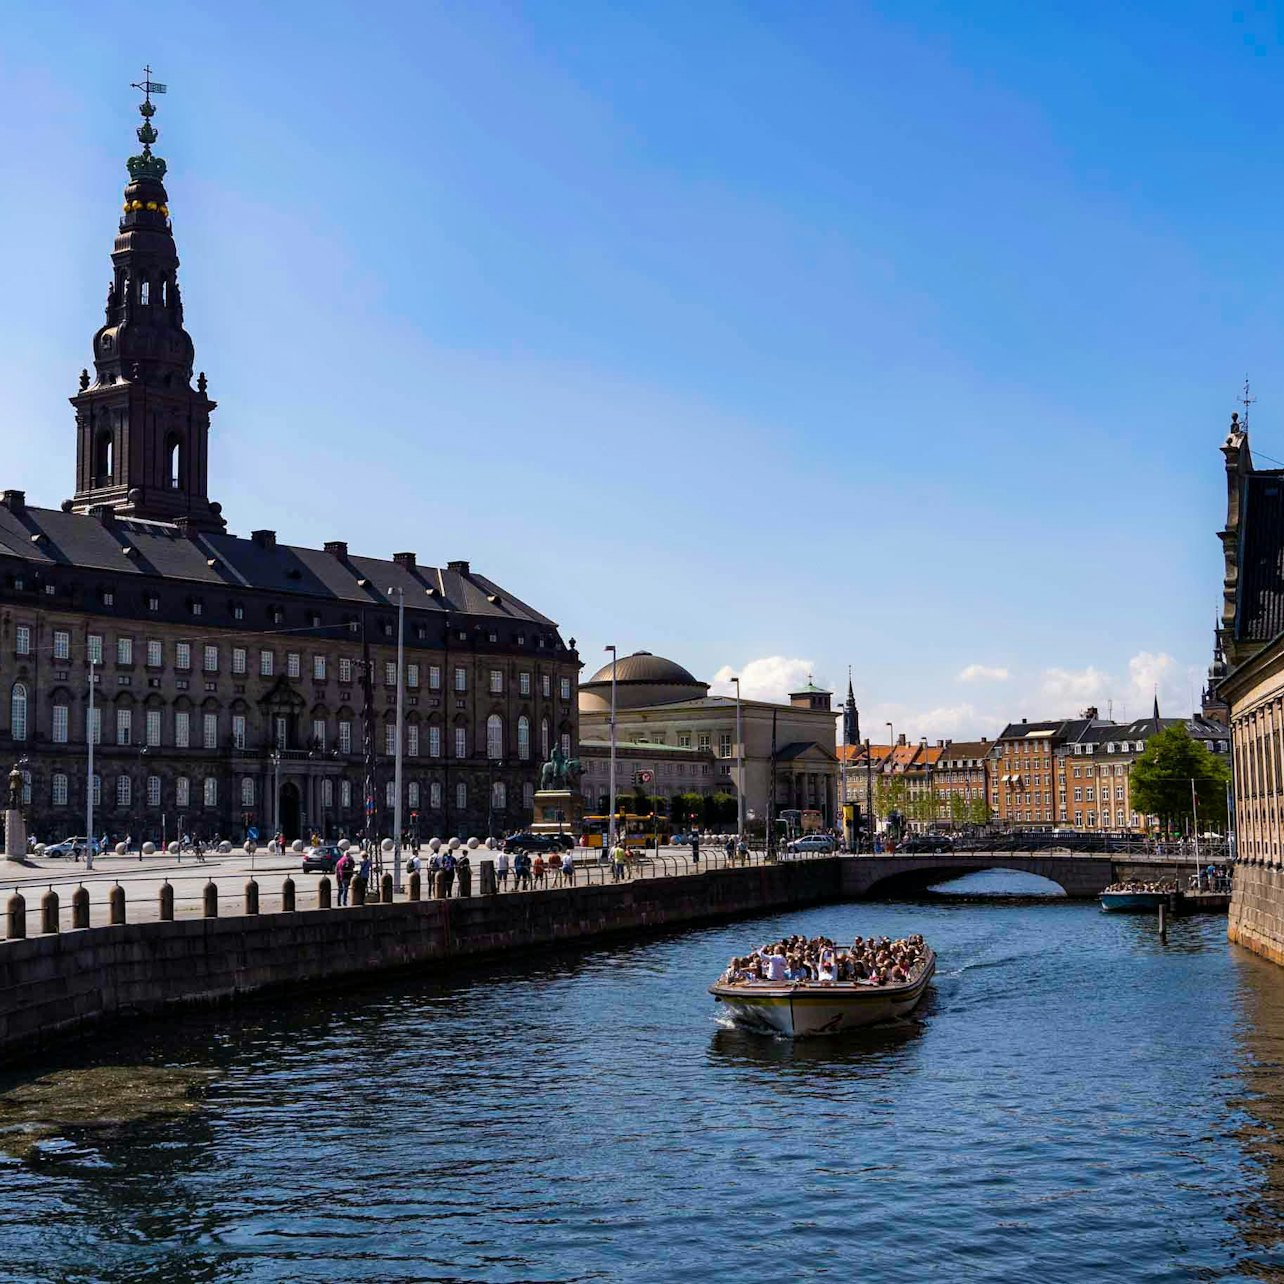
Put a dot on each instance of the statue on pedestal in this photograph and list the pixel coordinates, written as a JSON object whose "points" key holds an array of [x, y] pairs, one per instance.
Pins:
{"points": [[560, 772], [15, 788]]}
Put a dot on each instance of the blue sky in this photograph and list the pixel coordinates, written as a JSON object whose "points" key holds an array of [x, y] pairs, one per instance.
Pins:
{"points": [[807, 335]]}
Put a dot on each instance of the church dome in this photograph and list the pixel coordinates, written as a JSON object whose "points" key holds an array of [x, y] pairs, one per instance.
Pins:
{"points": [[642, 666], [641, 679]]}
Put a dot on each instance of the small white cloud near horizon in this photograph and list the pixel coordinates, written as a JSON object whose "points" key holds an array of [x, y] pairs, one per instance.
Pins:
{"points": [[984, 673], [772, 677]]}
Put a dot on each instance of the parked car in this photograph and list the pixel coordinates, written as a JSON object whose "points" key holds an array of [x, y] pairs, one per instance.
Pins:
{"points": [[813, 843], [69, 847], [532, 843], [927, 843], [321, 859]]}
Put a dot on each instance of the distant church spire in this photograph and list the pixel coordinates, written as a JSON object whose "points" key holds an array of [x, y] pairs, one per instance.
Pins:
{"points": [[141, 429], [851, 715], [1155, 715]]}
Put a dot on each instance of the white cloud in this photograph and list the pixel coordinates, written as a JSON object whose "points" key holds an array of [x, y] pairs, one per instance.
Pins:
{"points": [[771, 678], [983, 673], [1065, 692]]}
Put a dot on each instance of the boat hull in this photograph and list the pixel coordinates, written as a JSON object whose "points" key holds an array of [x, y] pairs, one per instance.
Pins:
{"points": [[800, 1011], [1134, 902]]}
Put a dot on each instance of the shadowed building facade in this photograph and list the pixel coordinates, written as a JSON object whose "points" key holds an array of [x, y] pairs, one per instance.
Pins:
{"points": [[238, 680]]}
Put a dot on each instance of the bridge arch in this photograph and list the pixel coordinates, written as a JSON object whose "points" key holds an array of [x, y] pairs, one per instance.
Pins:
{"points": [[886, 876]]}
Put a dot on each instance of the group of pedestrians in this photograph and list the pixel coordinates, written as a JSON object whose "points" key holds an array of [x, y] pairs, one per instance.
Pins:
{"points": [[531, 872]]}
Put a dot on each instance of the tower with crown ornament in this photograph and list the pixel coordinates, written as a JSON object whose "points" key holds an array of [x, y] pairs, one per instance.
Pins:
{"points": [[142, 430]]}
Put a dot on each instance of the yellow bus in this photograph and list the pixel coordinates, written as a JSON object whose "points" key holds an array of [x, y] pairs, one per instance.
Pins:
{"points": [[633, 830]]}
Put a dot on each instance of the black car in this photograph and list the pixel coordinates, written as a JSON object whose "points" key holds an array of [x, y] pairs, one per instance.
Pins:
{"points": [[532, 843], [927, 843], [321, 859]]}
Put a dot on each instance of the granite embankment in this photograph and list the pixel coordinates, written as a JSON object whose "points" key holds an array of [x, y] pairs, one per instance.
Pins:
{"points": [[58, 984]]}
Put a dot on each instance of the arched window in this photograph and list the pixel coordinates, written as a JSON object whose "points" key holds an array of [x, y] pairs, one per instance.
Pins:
{"points": [[182, 792], [247, 791], [174, 463], [211, 791], [523, 737], [494, 736], [498, 795], [145, 293], [124, 791], [18, 711], [461, 796], [434, 795], [327, 792], [59, 789], [543, 739], [153, 791], [98, 791], [103, 449]]}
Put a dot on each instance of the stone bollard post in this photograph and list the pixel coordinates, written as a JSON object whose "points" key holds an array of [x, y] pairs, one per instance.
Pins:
{"points": [[357, 891], [49, 913], [323, 893], [287, 896], [251, 897], [80, 908], [487, 884], [464, 877], [372, 891], [165, 902], [17, 917], [413, 887], [385, 894], [439, 886], [116, 905], [210, 900]]}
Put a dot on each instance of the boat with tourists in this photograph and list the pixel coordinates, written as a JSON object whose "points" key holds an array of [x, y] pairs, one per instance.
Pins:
{"points": [[799, 988], [1138, 898]]}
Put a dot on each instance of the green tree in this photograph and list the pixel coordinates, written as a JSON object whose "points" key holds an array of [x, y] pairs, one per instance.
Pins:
{"points": [[958, 809], [890, 794], [684, 808], [1160, 781], [978, 811]]}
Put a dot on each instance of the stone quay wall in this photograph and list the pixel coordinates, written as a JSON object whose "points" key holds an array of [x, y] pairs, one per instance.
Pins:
{"points": [[1257, 908], [54, 985]]}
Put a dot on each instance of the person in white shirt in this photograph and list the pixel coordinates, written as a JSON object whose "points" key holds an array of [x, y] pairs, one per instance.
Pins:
{"points": [[501, 870], [773, 966]]}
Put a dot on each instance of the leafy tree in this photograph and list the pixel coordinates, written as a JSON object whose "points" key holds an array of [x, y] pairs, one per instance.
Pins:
{"points": [[958, 809], [1160, 780], [682, 807], [978, 811], [890, 794]]}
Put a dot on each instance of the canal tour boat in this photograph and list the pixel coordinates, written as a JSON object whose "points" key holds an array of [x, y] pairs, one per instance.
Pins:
{"points": [[800, 1008], [1123, 899]]}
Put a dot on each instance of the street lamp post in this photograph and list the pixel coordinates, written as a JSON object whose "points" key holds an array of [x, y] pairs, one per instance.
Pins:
{"points": [[610, 820], [142, 797], [276, 792], [89, 781], [401, 718], [740, 769]]}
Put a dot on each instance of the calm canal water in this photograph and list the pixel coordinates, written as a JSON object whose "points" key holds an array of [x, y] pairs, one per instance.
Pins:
{"points": [[1075, 1102]]}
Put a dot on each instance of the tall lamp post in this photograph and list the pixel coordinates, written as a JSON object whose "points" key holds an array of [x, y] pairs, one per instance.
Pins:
{"points": [[401, 718], [276, 791], [610, 820], [89, 779], [142, 797], [740, 769]]}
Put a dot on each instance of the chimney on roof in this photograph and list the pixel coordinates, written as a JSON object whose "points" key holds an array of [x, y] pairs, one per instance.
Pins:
{"points": [[263, 539], [1024, 720], [900, 740], [1090, 713], [337, 548], [985, 740], [14, 500], [460, 568], [940, 744], [405, 559]]}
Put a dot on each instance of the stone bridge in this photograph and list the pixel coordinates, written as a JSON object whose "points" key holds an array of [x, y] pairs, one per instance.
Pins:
{"points": [[1079, 874]]}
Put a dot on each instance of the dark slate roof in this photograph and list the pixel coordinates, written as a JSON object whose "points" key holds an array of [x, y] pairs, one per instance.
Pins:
{"points": [[1261, 603], [1200, 728], [1014, 730], [48, 536], [796, 749]]}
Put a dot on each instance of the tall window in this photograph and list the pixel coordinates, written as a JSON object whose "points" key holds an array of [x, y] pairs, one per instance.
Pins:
{"points": [[18, 711], [153, 791], [523, 737], [59, 789], [98, 791], [211, 791], [496, 681], [412, 794], [238, 661], [434, 742], [434, 677], [498, 795], [124, 650], [265, 664], [210, 664], [174, 464], [524, 683], [390, 794], [566, 688], [327, 792], [22, 639], [494, 736], [318, 668], [238, 731], [390, 738], [461, 679], [60, 720], [461, 796], [528, 795], [182, 729], [412, 739], [546, 685], [345, 669], [247, 791], [318, 732], [412, 675], [434, 795], [183, 656], [153, 727], [95, 648], [123, 791], [566, 743], [345, 793], [292, 664], [544, 742], [389, 674], [209, 731], [461, 742], [61, 644], [155, 653], [345, 737], [182, 792], [282, 731], [94, 724]]}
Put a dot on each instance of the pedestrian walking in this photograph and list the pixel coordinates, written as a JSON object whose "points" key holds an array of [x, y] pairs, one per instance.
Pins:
{"points": [[448, 872], [501, 871], [343, 876], [695, 849], [568, 869]]}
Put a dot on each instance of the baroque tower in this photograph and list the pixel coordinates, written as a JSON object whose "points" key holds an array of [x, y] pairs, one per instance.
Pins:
{"points": [[142, 431]]}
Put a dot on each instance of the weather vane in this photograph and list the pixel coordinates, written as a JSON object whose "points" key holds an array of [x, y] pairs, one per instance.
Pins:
{"points": [[148, 85], [1246, 401]]}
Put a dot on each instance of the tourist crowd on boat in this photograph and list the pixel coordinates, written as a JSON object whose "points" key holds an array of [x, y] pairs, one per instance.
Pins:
{"points": [[797, 960], [1134, 887]]}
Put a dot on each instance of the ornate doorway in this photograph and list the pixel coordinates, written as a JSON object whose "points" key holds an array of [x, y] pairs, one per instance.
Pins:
{"points": [[290, 806]]}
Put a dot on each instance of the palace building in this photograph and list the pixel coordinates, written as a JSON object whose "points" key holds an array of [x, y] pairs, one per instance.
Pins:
{"points": [[237, 681]]}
